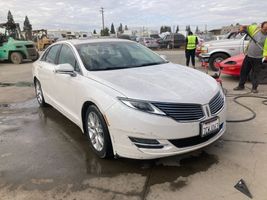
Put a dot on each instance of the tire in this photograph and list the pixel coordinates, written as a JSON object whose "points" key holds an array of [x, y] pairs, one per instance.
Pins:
{"points": [[36, 57], [97, 132], [169, 46], [16, 58], [217, 57], [39, 94]]}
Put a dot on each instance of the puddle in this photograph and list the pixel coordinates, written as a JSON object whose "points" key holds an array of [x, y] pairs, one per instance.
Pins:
{"points": [[17, 84]]}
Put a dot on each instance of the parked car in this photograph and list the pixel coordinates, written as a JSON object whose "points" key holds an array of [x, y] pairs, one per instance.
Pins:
{"points": [[149, 42], [124, 36], [232, 66], [218, 50], [158, 38], [173, 40], [128, 100]]}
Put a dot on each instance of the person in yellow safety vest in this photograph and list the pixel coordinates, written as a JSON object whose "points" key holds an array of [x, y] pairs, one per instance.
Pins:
{"points": [[190, 48], [256, 53]]}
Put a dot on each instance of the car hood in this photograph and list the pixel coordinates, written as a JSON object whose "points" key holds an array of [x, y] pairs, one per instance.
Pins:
{"points": [[223, 42], [236, 58], [20, 42], [165, 83]]}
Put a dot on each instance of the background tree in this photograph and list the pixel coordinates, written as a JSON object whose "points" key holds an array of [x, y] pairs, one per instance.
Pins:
{"points": [[197, 30], [188, 29], [105, 32], [126, 28], [177, 29], [120, 29], [112, 29], [27, 28], [165, 29], [10, 17], [11, 26], [94, 32]]}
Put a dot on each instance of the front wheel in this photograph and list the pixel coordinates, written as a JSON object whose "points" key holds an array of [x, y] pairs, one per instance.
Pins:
{"points": [[97, 132], [39, 94], [16, 58], [218, 57]]}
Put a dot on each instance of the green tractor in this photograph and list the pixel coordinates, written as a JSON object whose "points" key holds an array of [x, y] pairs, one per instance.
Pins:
{"points": [[13, 47]]}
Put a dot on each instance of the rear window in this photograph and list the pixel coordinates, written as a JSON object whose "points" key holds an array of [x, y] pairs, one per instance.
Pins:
{"points": [[179, 37]]}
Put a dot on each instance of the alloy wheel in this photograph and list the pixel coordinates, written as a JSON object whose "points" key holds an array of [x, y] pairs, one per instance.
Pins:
{"points": [[95, 130]]}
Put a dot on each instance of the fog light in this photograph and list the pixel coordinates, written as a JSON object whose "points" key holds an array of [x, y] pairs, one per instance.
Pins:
{"points": [[146, 143]]}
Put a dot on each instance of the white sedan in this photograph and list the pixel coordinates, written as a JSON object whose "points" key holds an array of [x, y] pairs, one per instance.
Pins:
{"points": [[128, 100]]}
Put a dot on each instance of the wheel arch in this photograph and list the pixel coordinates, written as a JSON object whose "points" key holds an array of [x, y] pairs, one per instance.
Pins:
{"points": [[83, 115], [85, 106], [222, 52]]}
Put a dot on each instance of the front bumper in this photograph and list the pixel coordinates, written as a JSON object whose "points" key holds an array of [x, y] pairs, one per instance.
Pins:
{"points": [[125, 123], [204, 57]]}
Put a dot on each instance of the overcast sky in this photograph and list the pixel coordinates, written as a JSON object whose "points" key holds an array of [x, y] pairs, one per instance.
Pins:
{"points": [[85, 14]]}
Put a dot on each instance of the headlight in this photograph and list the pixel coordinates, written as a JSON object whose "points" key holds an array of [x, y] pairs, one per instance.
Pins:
{"points": [[230, 63], [204, 49], [141, 105]]}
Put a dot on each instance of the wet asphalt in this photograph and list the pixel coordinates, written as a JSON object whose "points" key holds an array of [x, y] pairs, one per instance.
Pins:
{"points": [[40, 143], [43, 155]]}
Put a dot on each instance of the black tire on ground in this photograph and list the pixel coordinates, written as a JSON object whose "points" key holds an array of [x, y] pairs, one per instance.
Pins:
{"points": [[169, 46], [39, 94], [217, 57], [106, 151], [36, 56], [16, 58]]}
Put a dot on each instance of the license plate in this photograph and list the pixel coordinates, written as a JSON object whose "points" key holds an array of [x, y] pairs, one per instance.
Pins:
{"points": [[209, 127]]}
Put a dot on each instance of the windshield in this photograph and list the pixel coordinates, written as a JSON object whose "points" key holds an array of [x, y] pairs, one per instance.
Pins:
{"points": [[116, 55]]}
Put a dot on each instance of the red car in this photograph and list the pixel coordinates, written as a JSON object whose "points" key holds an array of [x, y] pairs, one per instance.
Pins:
{"points": [[232, 65]]}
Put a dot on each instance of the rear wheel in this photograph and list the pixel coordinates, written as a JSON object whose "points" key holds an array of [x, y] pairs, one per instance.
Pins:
{"points": [[218, 57], [16, 58], [97, 132]]}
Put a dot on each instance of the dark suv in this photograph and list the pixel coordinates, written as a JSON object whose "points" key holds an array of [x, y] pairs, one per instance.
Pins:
{"points": [[174, 40]]}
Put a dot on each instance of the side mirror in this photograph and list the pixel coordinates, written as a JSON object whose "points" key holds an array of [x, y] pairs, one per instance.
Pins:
{"points": [[163, 57], [65, 69]]}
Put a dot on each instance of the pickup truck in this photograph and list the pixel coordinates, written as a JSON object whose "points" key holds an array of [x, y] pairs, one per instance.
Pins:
{"points": [[218, 50]]}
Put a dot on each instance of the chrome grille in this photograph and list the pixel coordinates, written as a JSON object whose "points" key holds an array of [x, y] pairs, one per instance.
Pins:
{"points": [[181, 112], [216, 103]]}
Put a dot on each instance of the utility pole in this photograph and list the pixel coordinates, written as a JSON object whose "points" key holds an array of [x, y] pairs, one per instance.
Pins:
{"points": [[102, 13]]}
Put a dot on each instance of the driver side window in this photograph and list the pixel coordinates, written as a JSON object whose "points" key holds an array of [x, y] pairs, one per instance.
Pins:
{"points": [[66, 56]]}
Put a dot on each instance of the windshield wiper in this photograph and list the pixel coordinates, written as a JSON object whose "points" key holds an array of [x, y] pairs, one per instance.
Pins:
{"points": [[129, 66], [152, 63]]}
